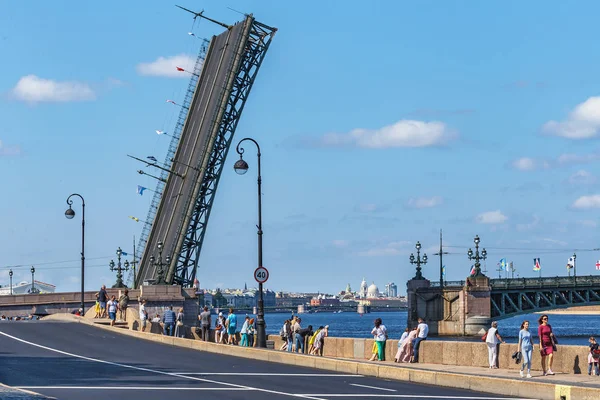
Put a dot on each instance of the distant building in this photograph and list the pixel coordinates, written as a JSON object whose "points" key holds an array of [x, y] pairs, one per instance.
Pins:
{"points": [[391, 290], [25, 288]]}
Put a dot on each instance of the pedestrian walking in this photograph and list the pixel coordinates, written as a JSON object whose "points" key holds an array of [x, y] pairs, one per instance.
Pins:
{"points": [[492, 338], [547, 344], [525, 346], [231, 323], [422, 332], [97, 307], [143, 315], [102, 299], [593, 357], [380, 333], [123, 304], [244, 332], [251, 332], [112, 309], [168, 321], [298, 338]]}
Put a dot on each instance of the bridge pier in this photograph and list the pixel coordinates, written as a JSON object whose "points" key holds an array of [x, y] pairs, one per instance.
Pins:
{"points": [[458, 309]]}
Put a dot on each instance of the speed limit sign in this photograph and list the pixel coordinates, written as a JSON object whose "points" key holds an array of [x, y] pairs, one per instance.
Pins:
{"points": [[261, 274]]}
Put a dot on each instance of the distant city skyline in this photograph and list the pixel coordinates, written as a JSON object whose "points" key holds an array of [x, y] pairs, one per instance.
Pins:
{"points": [[372, 139]]}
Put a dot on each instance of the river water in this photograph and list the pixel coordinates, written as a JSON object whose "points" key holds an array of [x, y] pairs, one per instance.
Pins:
{"points": [[572, 329]]}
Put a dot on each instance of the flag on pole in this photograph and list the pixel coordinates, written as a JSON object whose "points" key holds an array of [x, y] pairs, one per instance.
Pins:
{"points": [[180, 69], [472, 270], [598, 264], [134, 218], [444, 271], [502, 264], [140, 191], [571, 263], [536, 264], [171, 101], [152, 158], [124, 254], [161, 132]]}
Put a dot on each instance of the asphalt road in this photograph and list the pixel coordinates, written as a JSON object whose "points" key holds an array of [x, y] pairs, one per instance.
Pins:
{"points": [[76, 361]]}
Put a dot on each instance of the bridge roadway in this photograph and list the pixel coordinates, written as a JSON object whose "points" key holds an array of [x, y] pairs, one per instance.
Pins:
{"points": [[67, 361]]}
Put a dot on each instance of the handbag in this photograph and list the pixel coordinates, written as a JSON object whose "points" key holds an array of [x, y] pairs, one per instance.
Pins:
{"points": [[484, 337]]}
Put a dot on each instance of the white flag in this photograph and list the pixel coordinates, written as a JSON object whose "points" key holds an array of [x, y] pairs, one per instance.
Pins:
{"points": [[571, 263]]}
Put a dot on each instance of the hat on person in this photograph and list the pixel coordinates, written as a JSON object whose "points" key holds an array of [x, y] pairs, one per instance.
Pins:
{"points": [[220, 314], [326, 326]]}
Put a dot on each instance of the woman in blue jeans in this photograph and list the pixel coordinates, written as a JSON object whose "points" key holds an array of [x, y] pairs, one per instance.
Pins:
{"points": [[525, 346]]}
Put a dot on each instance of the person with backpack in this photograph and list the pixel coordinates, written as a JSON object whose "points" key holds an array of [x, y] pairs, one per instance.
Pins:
{"points": [[593, 357], [123, 304]]}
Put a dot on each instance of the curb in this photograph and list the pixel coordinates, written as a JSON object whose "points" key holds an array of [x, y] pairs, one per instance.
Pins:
{"points": [[485, 384]]}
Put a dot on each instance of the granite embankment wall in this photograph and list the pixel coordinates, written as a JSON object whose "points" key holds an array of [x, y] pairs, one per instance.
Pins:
{"points": [[568, 359]]}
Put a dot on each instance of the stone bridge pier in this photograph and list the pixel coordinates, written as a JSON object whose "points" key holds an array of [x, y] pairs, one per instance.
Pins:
{"points": [[457, 309]]}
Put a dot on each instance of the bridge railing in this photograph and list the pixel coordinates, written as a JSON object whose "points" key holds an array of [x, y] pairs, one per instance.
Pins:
{"points": [[549, 282], [449, 283]]}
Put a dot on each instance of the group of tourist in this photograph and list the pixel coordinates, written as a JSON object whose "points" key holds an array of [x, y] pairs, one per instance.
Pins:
{"points": [[410, 342], [548, 342], [302, 340], [109, 306]]}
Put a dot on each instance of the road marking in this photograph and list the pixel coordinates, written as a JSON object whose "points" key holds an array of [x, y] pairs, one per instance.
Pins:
{"points": [[373, 387], [133, 388], [159, 372], [268, 374]]}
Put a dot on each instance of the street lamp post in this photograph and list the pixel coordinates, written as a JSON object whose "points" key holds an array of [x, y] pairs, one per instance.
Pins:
{"points": [[10, 275], [119, 269], [476, 256], [32, 279], [159, 264], [70, 213], [241, 167], [418, 261]]}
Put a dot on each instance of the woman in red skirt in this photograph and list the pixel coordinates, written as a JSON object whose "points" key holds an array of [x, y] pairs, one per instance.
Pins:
{"points": [[546, 343]]}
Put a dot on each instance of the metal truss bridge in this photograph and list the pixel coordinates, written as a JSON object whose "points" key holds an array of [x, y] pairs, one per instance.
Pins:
{"points": [[223, 76], [511, 297]]}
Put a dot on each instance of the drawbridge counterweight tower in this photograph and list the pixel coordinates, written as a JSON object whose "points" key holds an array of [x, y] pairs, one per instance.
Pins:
{"points": [[219, 87]]}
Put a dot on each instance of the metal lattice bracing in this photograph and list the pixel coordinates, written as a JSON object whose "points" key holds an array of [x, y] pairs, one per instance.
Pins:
{"points": [[259, 37], [207, 124], [160, 185], [511, 297]]}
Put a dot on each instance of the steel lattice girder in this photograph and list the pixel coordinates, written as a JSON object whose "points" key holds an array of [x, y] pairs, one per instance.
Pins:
{"points": [[258, 42], [505, 304]]}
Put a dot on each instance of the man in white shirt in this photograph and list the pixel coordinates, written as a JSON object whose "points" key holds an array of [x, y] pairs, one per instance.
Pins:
{"points": [[422, 332], [143, 315]]}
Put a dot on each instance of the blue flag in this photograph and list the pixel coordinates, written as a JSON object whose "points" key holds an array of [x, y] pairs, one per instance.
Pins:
{"points": [[123, 253], [502, 264], [444, 271], [140, 190]]}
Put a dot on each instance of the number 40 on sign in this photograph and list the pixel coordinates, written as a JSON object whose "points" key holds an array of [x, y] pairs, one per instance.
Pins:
{"points": [[261, 274]]}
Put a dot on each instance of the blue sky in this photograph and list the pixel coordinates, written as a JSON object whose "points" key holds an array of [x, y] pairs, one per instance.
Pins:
{"points": [[379, 124]]}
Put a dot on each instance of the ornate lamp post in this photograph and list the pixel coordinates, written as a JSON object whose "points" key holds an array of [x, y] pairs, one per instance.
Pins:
{"points": [[10, 275], [32, 279], [241, 167], [159, 264], [476, 256], [119, 269], [418, 261], [70, 213]]}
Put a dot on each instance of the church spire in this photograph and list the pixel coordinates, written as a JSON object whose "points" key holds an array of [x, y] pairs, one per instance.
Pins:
{"points": [[245, 286]]}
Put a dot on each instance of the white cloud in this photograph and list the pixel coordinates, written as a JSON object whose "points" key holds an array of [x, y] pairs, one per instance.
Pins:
{"points": [[404, 133], [582, 123], [582, 177], [9, 150], [340, 243], [390, 249], [491, 217], [588, 223], [586, 202], [567, 159], [425, 202], [529, 164], [166, 66], [34, 89]]}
